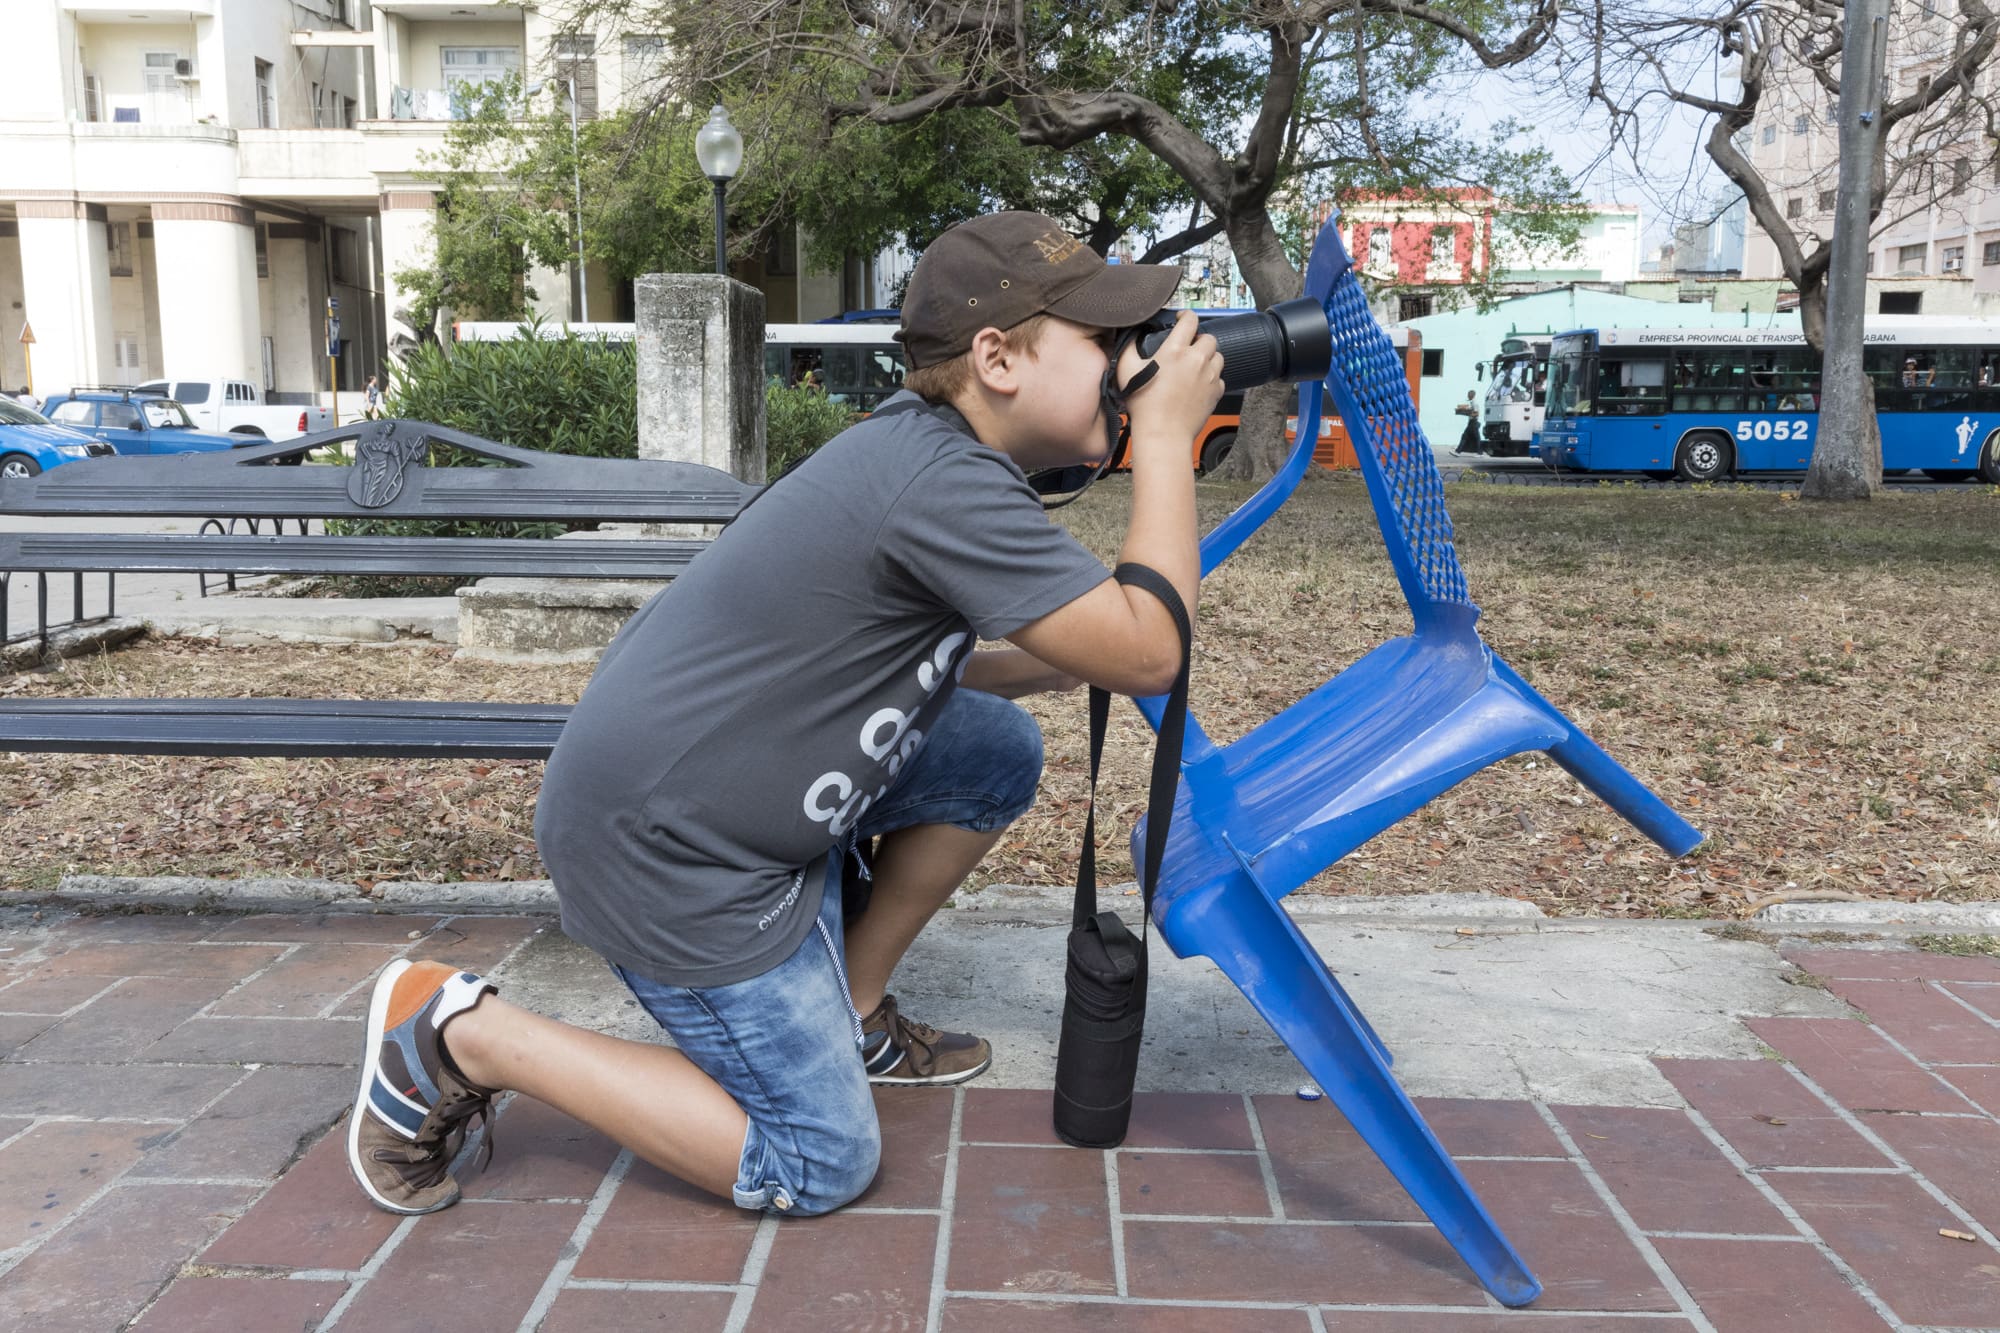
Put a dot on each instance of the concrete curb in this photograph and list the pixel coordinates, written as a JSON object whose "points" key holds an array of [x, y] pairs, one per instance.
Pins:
{"points": [[1929, 916], [995, 903], [81, 641]]}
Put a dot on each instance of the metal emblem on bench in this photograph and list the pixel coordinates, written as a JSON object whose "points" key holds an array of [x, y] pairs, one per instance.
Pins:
{"points": [[381, 462]]}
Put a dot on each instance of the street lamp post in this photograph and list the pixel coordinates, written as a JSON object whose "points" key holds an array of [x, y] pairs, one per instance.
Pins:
{"points": [[719, 149], [576, 179], [576, 176]]}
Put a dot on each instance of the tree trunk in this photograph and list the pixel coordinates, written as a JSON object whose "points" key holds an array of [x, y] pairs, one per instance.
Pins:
{"points": [[1260, 440]]}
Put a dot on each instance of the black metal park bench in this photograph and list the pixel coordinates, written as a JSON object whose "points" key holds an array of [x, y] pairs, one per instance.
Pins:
{"points": [[391, 479]]}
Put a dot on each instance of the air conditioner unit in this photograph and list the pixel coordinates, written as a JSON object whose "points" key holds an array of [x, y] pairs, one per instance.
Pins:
{"points": [[1953, 265], [184, 68]]}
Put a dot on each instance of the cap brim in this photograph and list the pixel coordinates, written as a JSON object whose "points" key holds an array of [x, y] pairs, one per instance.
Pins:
{"points": [[1118, 295]]}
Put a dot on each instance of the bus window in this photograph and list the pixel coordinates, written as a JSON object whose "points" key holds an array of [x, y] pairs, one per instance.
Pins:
{"points": [[1632, 386], [882, 369], [1568, 395]]}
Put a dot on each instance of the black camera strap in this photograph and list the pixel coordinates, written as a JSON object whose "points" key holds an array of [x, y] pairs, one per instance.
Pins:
{"points": [[1166, 760], [1104, 979]]}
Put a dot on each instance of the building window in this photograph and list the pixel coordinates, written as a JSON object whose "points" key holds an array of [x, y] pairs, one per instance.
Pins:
{"points": [[1800, 124], [1912, 259], [1901, 303], [1990, 256], [93, 104], [1378, 247], [576, 59], [1769, 135], [263, 233], [1954, 258], [1415, 307], [118, 241], [1434, 361], [1444, 247], [265, 119], [1795, 207], [1961, 174], [469, 69], [166, 102], [1832, 110], [1826, 201], [644, 54]]}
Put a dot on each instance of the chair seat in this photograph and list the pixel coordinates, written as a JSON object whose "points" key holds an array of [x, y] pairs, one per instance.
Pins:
{"points": [[1407, 721]]}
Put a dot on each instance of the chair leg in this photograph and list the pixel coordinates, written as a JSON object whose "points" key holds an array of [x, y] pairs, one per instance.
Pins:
{"points": [[1258, 947], [1609, 779]]}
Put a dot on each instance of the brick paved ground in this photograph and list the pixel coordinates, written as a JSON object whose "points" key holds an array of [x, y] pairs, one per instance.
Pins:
{"points": [[169, 1081]]}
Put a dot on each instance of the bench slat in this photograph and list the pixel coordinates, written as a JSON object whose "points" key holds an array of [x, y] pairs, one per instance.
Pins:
{"points": [[291, 728], [132, 553]]}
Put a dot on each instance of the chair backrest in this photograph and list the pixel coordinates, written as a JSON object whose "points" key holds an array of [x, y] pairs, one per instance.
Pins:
{"points": [[1371, 389]]}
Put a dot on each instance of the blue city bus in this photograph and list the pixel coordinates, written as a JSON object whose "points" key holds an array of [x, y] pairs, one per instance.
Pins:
{"points": [[1701, 404]]}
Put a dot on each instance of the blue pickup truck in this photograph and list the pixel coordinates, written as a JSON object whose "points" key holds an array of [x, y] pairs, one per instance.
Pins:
{"points": [[132, 423], [31, 444]]}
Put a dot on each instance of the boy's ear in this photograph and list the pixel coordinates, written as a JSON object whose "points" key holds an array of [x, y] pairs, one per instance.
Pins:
{"points": [[994, 366]]}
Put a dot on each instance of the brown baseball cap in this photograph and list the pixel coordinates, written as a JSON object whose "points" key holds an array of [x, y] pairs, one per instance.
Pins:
{"points": [[997, 270]]}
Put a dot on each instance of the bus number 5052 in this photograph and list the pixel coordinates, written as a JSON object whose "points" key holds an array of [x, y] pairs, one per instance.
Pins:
{"points": [[1771, 430]]}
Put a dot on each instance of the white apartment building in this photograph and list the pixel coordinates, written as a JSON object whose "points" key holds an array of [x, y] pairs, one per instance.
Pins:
{"points": [[1944, 227], [184, 186]]}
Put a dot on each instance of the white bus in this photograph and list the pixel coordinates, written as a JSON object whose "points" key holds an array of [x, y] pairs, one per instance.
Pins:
{"points": [[856, 364]]}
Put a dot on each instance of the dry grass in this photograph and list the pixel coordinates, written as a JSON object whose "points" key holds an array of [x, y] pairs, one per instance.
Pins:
{"points": [[1815, 687]]}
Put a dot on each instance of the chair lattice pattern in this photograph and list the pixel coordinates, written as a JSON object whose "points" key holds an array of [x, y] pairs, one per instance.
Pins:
{"points": [[1370, 387]]}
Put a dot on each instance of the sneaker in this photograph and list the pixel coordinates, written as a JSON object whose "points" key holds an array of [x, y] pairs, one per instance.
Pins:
{"points": [[412, 1113], [901, 1052]]}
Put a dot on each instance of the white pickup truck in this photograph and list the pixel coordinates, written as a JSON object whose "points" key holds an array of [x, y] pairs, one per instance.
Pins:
{"points": [[237, 407]]}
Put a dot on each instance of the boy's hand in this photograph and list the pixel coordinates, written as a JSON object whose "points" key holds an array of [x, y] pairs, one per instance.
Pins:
{"points": [[1177, 403]]}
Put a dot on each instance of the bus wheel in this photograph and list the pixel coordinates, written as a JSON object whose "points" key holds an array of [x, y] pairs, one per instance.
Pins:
{"points": [[1703, 458], [1215, 450], [1948, 474], [1989, 460]]}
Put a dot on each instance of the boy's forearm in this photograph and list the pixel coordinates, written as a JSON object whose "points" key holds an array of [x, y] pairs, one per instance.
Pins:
{"points": [[1161, 534], [1013, 672]]}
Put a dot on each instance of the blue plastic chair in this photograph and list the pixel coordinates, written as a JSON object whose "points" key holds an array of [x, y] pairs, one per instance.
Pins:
{"points": [[1257, 818]]}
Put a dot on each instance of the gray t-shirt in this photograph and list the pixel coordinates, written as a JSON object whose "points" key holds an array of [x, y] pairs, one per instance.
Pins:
{"points": [[744, 719]]}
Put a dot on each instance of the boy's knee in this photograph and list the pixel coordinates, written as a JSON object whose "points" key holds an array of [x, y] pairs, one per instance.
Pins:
{"points": [[1014, 747], [849, 1170]]}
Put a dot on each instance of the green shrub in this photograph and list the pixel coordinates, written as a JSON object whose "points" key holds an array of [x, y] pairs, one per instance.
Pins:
{"points": [[798, 421], [565, 395]]}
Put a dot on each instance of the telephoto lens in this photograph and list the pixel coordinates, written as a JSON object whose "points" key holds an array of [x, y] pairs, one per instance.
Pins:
{"points": [[1291, 341]]}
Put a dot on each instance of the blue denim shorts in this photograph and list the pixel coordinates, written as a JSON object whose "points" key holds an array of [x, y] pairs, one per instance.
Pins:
{"points": [[787, 1044]]}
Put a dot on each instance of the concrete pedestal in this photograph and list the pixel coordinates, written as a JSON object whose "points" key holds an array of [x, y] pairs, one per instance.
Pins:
{"points": [[701, 400]]}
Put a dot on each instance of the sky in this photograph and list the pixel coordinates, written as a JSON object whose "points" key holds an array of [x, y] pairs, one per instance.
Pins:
{"points": [[1671, 182]]}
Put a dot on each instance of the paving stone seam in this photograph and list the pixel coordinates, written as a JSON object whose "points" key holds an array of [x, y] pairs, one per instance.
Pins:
{"points": [[1264, 1167], [644, 1285], [111, 984], [1235, 1220], [1654, 1260], [1945, 988], [285, 950], [752, 1276], [586, 1226], [367, 982], [1881, 1145], [1827, 1170], [1081, 1298], [947, 1208], [1790, 1214], [884, 1210], [1911, 1056], [362, 1276], [1314, 1320], [1732, 1236], [1114, 1218], [11, 1259]]}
